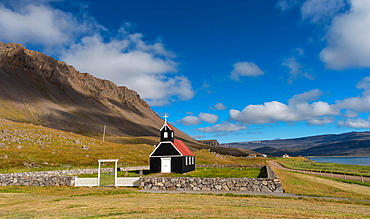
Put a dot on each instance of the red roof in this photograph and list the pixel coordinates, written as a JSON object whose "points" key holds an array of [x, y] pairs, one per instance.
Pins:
{"points": [[184, 150]]}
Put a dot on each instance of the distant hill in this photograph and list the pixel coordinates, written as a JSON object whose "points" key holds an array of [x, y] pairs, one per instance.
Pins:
{"points": [[352, 143]]}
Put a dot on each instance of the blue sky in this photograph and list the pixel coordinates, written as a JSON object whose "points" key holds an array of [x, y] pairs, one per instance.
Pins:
{"points": [[237, 70]]}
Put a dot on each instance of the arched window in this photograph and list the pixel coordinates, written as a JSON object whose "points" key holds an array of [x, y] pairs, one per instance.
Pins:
{"points": [[165, 135]]}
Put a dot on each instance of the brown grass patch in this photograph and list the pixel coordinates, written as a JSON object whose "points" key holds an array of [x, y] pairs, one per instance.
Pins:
{"points": [[67, 202]]}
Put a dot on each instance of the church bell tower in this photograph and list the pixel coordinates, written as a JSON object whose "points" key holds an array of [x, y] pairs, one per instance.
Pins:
{"points": [[167, 133]]}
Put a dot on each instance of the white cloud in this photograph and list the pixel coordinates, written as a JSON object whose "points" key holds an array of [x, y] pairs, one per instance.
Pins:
{"points": [[359, 104], [195, 120], [355, 123], [208, 118], [321, 11], [190, 120], [245, 69], [348, 37], [365, 85], [218, 106], [38, 24], [274, 111], [296, 69], [306, 96], [223, 127], [321, 120], [286, 5], [124, 58]]}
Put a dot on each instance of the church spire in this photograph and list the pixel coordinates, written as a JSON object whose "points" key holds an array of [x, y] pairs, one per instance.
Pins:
{"points": [[167, 133]]}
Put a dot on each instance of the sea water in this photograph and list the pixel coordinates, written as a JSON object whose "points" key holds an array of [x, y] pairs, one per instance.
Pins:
{"points": [[364, 161]]}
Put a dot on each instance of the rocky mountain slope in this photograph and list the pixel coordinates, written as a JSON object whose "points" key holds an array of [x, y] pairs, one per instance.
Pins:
{"points": [[38, 89], [352, 143]]}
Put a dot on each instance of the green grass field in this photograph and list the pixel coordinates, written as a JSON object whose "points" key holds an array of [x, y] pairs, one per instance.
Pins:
{"points": [[225, 172], [45, 149], [300, 163]]}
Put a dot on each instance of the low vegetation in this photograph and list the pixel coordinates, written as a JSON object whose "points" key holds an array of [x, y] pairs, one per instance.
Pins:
{"points": [[31, 148], [226, 172], [27, 147], [102, 202], [301, 163]]}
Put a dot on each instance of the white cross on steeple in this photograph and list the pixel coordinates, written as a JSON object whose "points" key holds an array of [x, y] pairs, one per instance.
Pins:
{"points": [[165, 118]]}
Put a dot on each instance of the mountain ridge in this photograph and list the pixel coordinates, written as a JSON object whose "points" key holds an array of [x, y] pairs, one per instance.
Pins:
{"points": [[344, 144], [36, 88]]}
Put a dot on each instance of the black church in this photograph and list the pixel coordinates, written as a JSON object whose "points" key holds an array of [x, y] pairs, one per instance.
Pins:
{"points": [[171, 155]]}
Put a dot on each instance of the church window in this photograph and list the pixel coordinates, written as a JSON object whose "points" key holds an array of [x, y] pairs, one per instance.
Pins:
{"points": [[165, 134]]}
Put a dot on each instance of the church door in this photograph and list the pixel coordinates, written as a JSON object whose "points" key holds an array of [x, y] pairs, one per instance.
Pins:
{"points": [[166, 165]]}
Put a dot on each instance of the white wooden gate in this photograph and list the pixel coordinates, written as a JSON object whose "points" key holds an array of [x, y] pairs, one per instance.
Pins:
{"points": [[115, 181]]}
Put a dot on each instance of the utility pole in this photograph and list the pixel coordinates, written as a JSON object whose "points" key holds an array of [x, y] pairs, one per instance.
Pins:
{"points": [[105, 127]]}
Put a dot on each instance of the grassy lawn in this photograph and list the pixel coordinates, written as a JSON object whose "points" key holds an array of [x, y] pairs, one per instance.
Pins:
{"points": [[301, 163], [209, 172], [71, 202], [309, 185], [225, 172]]}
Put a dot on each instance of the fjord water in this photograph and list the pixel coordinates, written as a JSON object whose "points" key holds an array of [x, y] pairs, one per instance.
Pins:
{"points": [[364, 161]]}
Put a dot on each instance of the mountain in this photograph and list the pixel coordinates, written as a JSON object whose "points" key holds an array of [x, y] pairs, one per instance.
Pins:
{"points": [[352, 143], [35, 88]]}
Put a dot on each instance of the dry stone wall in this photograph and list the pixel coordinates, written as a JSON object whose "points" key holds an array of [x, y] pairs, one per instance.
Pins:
{"points": [[211, 184], [270, 184], [52, 178]]}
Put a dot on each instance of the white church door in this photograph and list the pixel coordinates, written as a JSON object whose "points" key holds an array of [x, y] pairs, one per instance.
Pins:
{"points": [[166, 165]]}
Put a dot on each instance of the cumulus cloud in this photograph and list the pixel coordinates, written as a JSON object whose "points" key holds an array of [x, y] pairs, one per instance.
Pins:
{"points": [[344, 25], [355, 123], [124, 58], [347, 38], [274, 111], [321, 121], [357, 104], [321, 11], [245, 69], [208, 118], [190, 120], [218, 106], [37, 24], [306, 96], [222, 127], [202, 117]]}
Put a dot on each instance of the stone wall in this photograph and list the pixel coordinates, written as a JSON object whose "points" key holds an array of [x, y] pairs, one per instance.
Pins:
{"points": [[36, 180], [270, 184], [52, 178], [211, 184]]}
